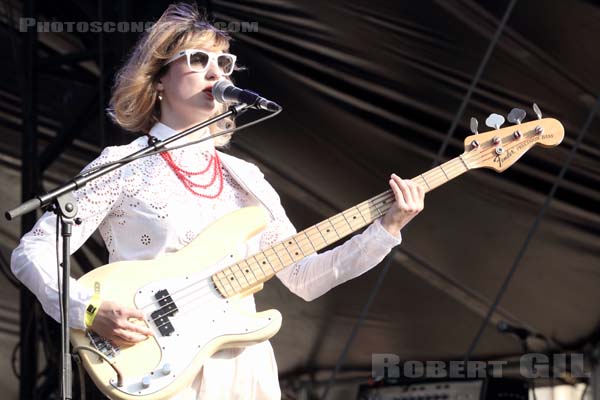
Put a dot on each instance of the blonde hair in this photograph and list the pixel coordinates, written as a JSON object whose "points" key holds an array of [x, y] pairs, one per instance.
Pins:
{"points": [[134, 104]]}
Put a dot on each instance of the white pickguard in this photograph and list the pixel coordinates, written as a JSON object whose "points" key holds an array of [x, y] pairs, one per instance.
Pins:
{"points": [[203, 315]]}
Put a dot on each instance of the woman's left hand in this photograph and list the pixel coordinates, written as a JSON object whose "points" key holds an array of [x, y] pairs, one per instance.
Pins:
{"points": [[409, 202]]}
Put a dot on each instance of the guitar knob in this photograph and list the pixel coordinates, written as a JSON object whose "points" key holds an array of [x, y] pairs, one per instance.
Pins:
{"points": [[166, 369], [146, 382]]}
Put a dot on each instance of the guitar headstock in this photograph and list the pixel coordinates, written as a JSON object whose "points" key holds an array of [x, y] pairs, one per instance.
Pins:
{"points": [[502, 147]]}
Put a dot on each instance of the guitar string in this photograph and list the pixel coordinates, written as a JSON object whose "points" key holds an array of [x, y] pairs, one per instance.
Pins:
{"points": [[450, 169], [306, 233], [336, 225], [186, 307], [264, 275], [200, 289]]}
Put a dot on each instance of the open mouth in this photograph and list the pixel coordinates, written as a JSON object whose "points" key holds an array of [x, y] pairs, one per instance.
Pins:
{"points": [[208, 91]]}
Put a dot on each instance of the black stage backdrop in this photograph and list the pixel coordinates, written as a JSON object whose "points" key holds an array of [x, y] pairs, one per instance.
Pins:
{"points": [[370, 88]]}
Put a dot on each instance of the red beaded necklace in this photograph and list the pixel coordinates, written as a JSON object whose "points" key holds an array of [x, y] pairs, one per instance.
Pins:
{"points": [[184, 176]]}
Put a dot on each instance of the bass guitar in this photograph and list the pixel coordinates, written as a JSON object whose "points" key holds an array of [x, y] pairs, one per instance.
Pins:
{"points": [[191, 298]]}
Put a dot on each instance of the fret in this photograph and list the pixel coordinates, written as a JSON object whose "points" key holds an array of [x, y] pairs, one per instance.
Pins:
{"points": [[440, 167], [291, 259], [346, 219], [233, 279], [263, 261], [249, 268], [309, 241], [321, 233], [362, 216], [279, 258], [298, 246], [333, 227], [221, 276], [294, 251], [378, 210], [425, 180], [275, 262], [432, 180], [226, 279], [260, 264], [224, 283], [241, 273], [463, 161]]}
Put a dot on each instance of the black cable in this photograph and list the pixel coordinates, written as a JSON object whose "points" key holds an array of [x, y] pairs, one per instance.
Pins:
{"points": [[532, 230], [13, 360], [474, 82]]}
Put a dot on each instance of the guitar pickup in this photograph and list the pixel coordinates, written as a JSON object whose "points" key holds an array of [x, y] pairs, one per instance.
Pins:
{"points": [[167, 309]]}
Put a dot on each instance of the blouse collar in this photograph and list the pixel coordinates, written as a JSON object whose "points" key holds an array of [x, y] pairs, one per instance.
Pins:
{"points": [[162, 132]]}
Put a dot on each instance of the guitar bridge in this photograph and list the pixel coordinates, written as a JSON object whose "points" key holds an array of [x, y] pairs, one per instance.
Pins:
{"points": [[167, 309], [103, 345]]}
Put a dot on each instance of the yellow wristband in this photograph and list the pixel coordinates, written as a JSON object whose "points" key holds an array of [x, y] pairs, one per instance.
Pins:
{"points": [[92, 308]]}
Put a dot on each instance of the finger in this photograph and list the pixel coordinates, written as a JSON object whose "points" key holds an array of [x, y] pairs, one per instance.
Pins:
{"points": [[133, 313], [398, 194], [415, 196], [128, 336], [421, 192], [405, 192], [138, 328]]}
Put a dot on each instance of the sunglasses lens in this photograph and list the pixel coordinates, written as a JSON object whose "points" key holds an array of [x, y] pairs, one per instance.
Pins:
{"points": [[198, 60], [226, 63]]}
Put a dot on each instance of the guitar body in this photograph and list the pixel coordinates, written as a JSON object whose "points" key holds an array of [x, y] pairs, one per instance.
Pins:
{"points": [[190, 318]]}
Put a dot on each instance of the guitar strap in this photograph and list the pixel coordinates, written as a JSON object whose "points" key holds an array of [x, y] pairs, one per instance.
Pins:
{"points": [[244, 179]]}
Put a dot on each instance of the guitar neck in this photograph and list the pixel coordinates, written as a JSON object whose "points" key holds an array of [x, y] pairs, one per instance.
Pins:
{"points": [[246, 274]]}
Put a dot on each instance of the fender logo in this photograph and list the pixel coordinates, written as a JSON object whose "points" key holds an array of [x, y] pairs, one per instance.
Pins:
{"points": [[500, 158]]}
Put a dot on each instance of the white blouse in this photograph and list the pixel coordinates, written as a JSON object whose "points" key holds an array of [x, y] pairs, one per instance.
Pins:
{"points": [[143, 210]]}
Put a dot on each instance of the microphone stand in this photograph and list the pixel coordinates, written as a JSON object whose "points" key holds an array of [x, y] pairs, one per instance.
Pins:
{"points": [[65, 206]]}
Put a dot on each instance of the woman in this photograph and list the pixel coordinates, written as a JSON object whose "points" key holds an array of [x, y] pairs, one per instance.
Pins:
{"points": [[159, 204]]}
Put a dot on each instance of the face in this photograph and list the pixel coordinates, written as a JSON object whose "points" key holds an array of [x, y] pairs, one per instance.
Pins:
{"points": [[187, 95]]}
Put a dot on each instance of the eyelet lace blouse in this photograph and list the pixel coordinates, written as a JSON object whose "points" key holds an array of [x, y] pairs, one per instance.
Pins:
{"points": [[144, 211]]}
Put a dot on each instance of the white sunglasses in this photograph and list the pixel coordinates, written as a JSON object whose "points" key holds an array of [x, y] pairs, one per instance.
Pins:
{"points": [[198, 60]]}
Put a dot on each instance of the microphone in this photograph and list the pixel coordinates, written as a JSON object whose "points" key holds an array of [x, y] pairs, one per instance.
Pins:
{"points": [[522, 333], [224, 91]]}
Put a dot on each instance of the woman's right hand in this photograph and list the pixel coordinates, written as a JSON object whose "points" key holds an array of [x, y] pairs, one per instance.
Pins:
{"points": [[113, 322]]}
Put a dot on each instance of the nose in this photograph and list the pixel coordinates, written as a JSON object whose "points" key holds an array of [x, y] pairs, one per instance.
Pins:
{"points": [[212, 72]]}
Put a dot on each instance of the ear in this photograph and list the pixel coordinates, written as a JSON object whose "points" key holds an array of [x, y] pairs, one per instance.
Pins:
{"points": [[159, 86]]}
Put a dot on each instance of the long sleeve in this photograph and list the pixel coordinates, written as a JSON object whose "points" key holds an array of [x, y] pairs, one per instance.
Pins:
{"points": [[34, 261], [318, 273], [315, 275]]}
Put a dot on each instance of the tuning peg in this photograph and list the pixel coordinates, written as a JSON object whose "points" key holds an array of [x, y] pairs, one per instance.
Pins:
{"points": [[537, 111], [516, 115], [494, 121], [474, 125], [539, 130]]}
